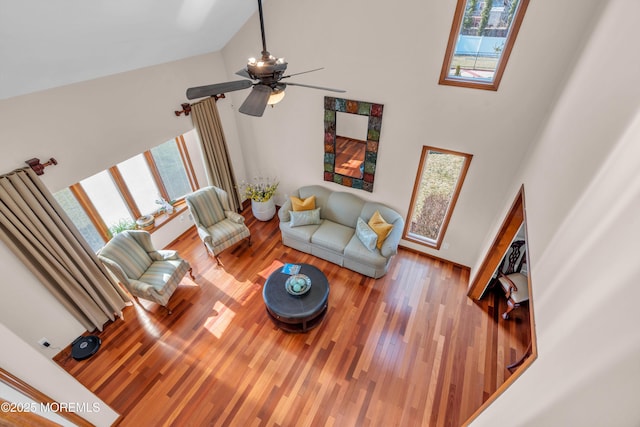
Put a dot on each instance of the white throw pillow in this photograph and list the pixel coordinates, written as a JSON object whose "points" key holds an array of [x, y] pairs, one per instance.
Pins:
{"points": [[367, 236], [310, 217]]}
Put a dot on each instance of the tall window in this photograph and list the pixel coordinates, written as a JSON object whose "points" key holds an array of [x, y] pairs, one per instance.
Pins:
{"points": [[438, 183], [482, 36], [172, 169], [111, 200]]}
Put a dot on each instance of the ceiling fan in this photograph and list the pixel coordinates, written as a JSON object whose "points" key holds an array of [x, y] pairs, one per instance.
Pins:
{"points": [[267, 74]]}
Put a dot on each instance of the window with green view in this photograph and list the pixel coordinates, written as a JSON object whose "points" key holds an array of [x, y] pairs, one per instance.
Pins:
{"points": [[436, 190]]}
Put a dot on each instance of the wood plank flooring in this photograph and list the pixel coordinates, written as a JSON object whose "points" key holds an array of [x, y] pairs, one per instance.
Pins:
{"points": [[409, 349]]}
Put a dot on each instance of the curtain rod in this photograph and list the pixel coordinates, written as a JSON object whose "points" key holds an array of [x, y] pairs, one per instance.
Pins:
{"points": [[186, 107], [38, 167]]}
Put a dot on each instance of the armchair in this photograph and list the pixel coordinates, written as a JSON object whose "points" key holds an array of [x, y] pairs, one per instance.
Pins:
{"points": [[513, 278], [144, 271], [218, 226]]}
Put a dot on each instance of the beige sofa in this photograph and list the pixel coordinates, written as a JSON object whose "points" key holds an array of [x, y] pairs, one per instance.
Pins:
{"points": [[334, 238]]}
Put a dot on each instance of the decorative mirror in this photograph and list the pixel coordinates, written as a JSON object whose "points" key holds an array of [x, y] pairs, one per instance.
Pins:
{"points": [[351, 140]]}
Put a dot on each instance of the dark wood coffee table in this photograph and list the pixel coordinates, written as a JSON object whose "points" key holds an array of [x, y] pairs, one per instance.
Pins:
{"points": [[296, 313]]}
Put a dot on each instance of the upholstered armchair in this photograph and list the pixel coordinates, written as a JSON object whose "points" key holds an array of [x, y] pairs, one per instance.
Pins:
{"points": [[145, 272], [218, 226], [512, 277]]}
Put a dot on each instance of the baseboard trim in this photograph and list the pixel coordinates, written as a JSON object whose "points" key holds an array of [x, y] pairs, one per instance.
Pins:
{"points": [[434, 257]]}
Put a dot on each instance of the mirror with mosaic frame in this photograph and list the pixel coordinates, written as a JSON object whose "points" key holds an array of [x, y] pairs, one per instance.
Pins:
{"points": [[349, 160]]}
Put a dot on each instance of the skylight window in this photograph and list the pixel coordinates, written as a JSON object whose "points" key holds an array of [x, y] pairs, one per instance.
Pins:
{"points": [[482, 36]]}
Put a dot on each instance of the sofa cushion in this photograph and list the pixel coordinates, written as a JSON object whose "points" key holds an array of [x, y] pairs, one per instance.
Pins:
{"points": [[321, 193], [357, 252], [299, 204], [302, 233], [305, 217], [380, 227], [367, 236], [343, 208], [332, 236]]}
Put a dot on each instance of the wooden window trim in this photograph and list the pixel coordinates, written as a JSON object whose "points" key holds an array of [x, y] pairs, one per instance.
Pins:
{"points": [[87, 205], [123, 189], [502, 63], [452, 203], [161, 218], [186, 159], [156, 175]]}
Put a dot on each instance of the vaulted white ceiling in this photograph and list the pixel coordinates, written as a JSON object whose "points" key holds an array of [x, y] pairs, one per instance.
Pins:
{"points": [[50, 43]]}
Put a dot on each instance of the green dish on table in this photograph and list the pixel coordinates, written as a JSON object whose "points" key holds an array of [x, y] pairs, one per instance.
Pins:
{"points": [[298, 284]]}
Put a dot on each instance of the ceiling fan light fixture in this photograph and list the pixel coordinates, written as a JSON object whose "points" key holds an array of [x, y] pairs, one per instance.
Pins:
{"points": [[276, 96]]}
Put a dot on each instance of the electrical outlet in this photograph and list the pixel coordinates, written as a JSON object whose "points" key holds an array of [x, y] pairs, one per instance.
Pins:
{"points": [[44, 342], [181, 217], [445, 246]]}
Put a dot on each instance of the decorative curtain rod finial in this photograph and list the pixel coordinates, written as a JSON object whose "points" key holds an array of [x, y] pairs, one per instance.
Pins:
{"points": [[186, 109], [38, 167]]}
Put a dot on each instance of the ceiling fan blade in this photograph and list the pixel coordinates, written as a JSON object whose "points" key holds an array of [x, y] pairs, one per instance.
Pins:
{"points": [[316, 87], [256, 102], [243, 73], [303, 72], [216, 89]]}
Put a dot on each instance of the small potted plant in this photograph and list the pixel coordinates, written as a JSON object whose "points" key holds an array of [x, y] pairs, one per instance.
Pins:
{"points": [[261, 192]]}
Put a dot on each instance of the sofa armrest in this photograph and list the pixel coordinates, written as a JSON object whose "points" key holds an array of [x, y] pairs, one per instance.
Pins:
{"points": [[283, 212]]}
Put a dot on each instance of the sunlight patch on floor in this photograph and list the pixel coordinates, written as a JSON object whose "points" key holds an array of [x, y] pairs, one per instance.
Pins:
{"points": [[220, 320]]}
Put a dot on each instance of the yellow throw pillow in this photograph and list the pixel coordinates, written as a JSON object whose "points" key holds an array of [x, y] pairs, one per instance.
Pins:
{"points": [[303, 204], [381, 227]]}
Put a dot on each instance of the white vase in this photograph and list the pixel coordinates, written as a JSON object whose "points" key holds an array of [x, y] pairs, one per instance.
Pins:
{"points": [[263, 211]]}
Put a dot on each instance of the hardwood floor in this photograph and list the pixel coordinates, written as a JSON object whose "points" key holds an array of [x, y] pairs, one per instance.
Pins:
{"points": [[409, 349], [350, 155]]}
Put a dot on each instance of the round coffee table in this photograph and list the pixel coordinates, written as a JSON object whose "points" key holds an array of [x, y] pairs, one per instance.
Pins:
{"points": [[296, 313]]}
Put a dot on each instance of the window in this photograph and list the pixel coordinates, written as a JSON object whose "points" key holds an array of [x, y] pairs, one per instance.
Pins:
{"points": [[438, 183], [139, 180], [482, 36], [80, 218], [106, 199], [113, 199], [171, 169]]}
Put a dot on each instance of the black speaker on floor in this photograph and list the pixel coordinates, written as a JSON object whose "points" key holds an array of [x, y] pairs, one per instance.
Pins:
{"points": [[85, 347]]}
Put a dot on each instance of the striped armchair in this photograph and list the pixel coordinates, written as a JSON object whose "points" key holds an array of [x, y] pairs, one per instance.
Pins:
{"points": [[146, 272], [218, 226]]}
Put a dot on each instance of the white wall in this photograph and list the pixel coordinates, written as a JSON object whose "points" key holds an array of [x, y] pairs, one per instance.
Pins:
{"points": [[22, 361], [582, 191], [383, 52]]}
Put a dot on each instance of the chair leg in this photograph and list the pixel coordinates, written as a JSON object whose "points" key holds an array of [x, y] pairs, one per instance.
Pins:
{"points": [[249, 240], [191, 274], [510, 306], [168, 309], [218, 260]]}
